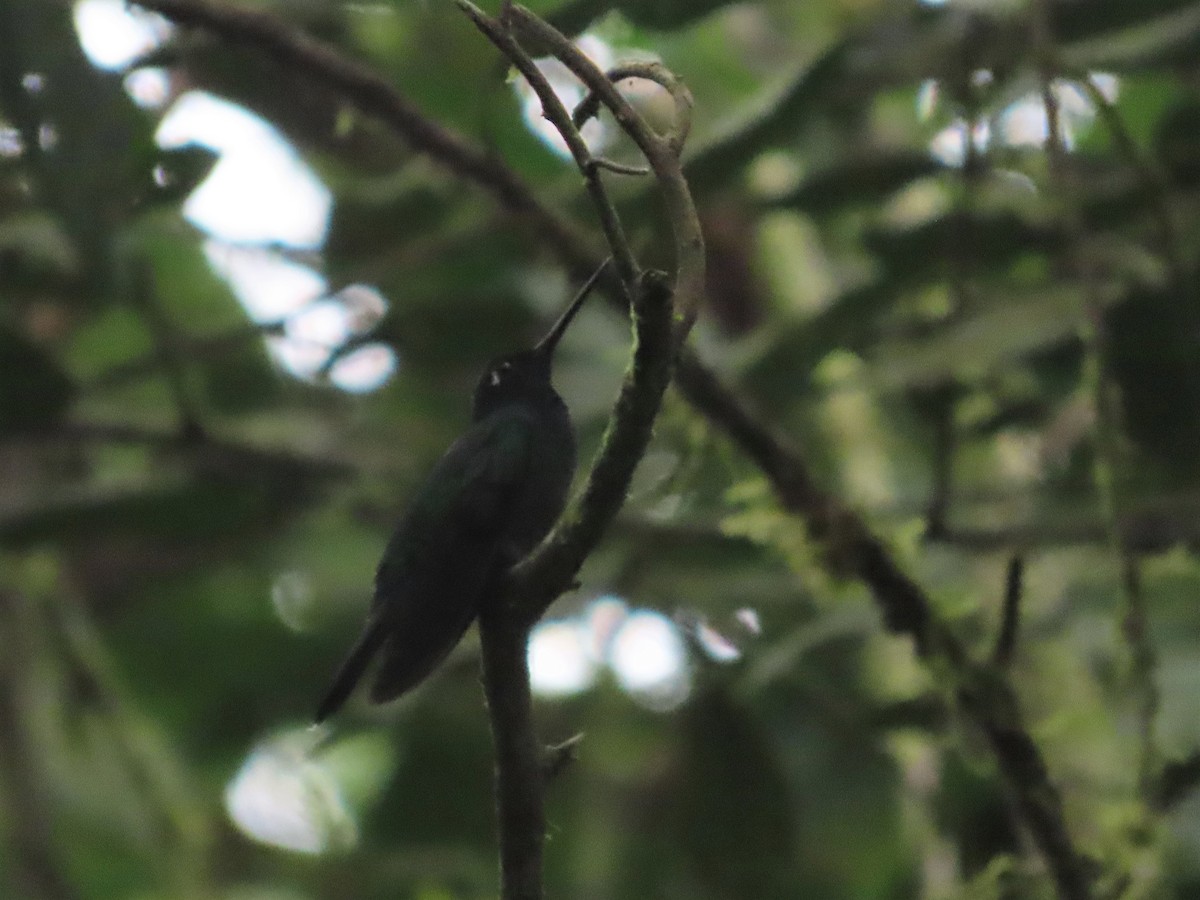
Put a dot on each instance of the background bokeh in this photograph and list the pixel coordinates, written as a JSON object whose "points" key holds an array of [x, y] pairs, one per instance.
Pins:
{"points": [[239, 320]]}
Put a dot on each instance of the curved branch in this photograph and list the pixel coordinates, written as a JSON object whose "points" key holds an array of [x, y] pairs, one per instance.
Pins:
{"points": [[556, 113], [661, 152], [550, 571], [537, 581], [660, 75]]}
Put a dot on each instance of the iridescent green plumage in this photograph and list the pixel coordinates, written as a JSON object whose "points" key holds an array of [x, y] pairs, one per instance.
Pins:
{"points": [[488, 501]]}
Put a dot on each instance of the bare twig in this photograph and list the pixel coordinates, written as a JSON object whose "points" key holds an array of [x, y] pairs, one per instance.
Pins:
{"points": [[601, 162], [558, 757], [554, 111], [606, 94], [661, 152]]}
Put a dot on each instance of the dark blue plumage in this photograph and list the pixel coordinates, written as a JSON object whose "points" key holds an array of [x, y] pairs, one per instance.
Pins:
{"points": [[488, 501]]}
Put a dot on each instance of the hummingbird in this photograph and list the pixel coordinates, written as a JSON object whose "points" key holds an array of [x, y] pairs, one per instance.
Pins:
{"points": [[490, 499]]}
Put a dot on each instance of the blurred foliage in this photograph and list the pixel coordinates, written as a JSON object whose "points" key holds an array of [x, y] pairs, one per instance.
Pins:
{"points": [[188, 531]]}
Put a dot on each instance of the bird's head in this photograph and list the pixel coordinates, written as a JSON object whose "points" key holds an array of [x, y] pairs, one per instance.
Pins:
{"points": [[524, 377]]}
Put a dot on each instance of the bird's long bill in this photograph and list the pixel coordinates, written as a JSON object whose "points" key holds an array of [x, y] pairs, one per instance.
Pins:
{"points": [[545, 347]]}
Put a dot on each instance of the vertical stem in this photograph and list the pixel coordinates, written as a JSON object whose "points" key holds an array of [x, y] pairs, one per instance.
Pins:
{"points": [[1010, 620], [944, 446], [520, 814]]}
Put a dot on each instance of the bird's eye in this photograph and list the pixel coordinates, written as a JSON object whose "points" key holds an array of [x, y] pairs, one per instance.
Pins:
{"points": [[504, 367]]}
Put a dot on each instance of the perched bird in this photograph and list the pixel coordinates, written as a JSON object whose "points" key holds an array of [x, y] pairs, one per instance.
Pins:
{"points": [[488, 501]]}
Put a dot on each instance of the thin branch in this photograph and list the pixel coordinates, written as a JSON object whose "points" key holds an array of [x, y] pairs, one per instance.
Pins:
{"points": [[556, 113], [1143, 663], [36, 868], [1010, 617], [661, 152], [601, 162], [560, 756], [607, 95], [550, 571], [943, 451], [960, 281], [520, 776]]}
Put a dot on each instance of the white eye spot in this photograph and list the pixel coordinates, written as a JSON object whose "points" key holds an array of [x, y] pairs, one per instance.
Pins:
{"points": [[504, 367], [495, 379]]}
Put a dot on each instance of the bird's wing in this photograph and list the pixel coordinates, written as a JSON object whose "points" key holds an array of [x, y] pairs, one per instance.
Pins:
{"points": [[462, 513], [436, 566]]}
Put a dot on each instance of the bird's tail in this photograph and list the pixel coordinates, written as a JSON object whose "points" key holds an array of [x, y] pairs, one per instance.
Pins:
{"points": [[352, 669], [412, 653]]}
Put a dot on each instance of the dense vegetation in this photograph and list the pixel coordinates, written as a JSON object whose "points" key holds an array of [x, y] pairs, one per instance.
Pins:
{"points": [[920, 513]]}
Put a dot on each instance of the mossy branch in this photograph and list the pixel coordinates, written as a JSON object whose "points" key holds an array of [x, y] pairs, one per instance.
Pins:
{"points": [[984, 694]]}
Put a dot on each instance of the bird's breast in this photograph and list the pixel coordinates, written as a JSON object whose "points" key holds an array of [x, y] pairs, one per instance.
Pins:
{"points": [[544, 494]]}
